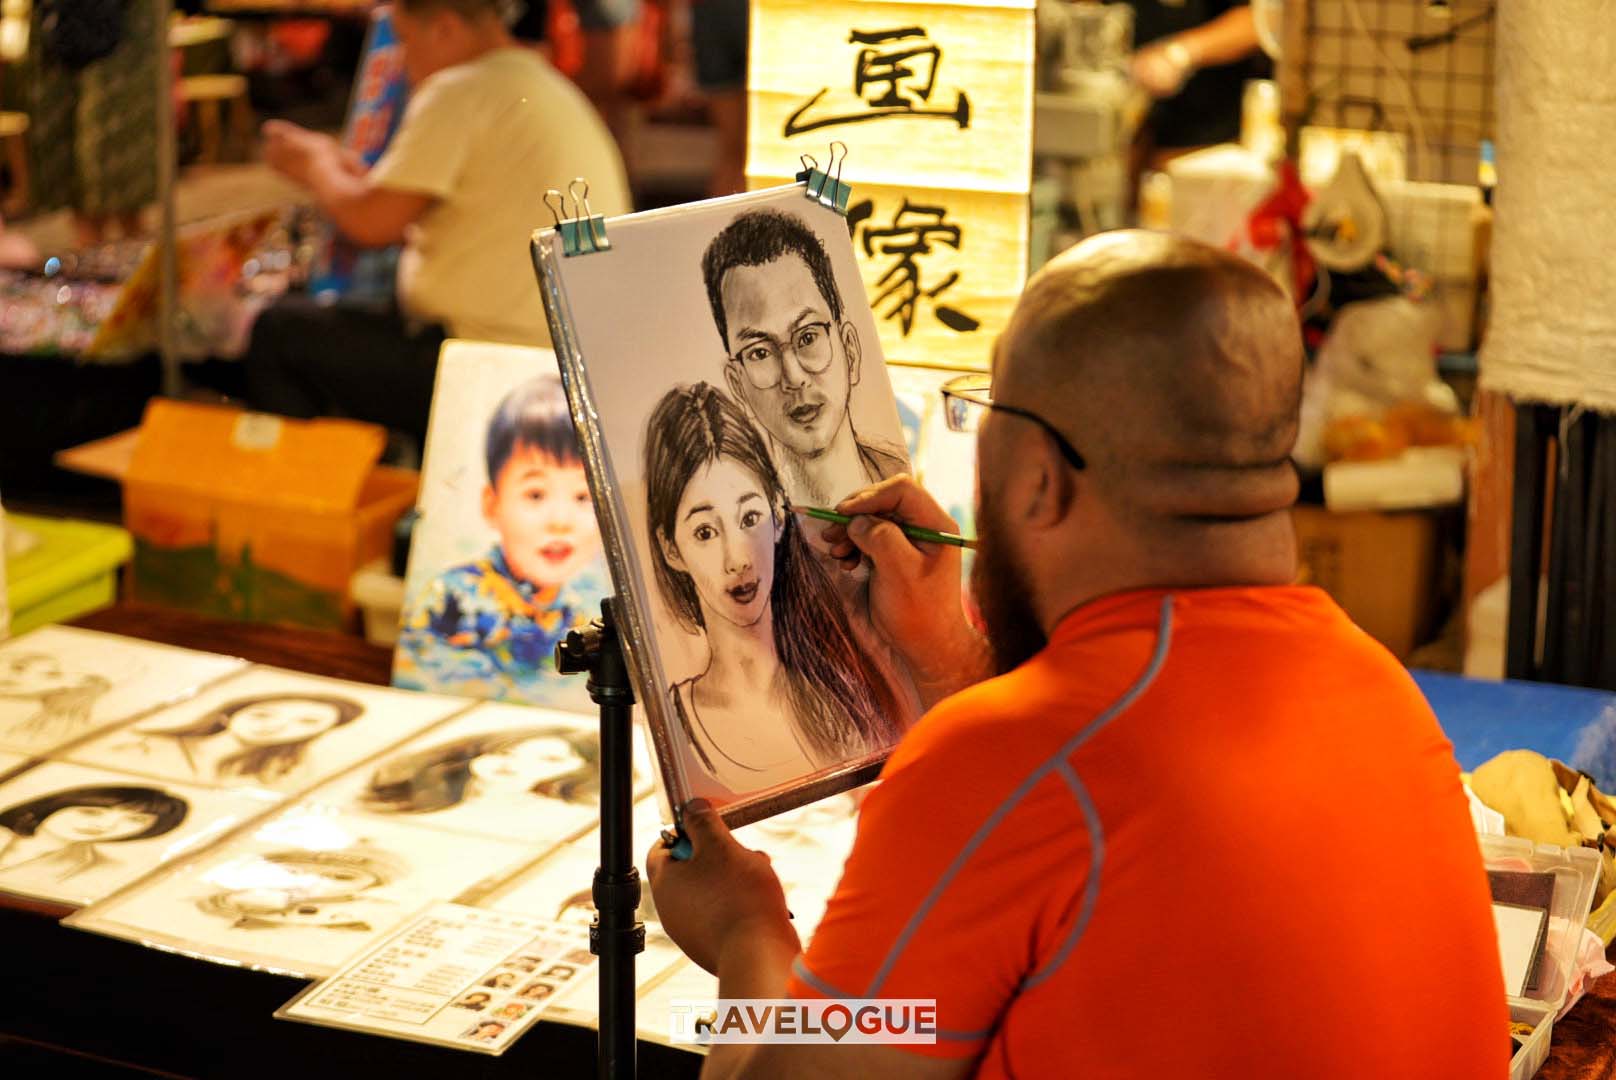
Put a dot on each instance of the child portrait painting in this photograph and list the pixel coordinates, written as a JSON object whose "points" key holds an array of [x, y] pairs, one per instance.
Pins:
{"points": [[506, 555]]}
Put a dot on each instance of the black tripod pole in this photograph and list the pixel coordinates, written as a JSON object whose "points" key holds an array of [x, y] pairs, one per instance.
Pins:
{"points": [[617, 934]]}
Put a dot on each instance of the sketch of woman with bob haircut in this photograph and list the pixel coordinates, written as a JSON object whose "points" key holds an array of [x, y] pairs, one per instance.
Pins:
{"points": [[65, 697], [732, 563], [273, 731], [62, 832], [551, 762]]}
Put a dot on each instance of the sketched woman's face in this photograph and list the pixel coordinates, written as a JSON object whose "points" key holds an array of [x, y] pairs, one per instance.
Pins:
{"points": [[517, 767], [96, 824], [724, 536], [34, 675], [286, 720]]}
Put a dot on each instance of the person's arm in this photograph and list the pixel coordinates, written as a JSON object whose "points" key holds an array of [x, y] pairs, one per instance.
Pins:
{"points": [[915, 599], [725, 908], [366, 213], [1163, 66]]}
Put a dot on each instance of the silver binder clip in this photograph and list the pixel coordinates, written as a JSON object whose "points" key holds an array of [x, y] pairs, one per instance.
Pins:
{"points": [[583, 233], [824, 186]]}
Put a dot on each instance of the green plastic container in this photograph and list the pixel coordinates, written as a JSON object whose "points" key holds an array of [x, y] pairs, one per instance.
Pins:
{"points": [[72, 570]]}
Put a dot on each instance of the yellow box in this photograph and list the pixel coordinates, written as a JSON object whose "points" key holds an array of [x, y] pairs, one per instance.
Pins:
{"points": [[1381, 569], [255, 517]]}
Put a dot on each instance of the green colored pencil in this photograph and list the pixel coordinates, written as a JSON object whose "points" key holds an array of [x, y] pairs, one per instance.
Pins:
{"points": [[913, 532]]}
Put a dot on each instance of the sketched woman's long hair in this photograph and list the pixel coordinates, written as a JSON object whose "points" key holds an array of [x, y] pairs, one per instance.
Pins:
{"points": [[840, 704], [439, 776]]}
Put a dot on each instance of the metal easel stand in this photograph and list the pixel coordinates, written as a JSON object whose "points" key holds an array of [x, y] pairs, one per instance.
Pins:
{"points": [[616, 934]]}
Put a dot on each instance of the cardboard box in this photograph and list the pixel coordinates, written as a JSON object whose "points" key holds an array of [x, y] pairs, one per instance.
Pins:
{"points": [[255, 517], [1381, 568]]}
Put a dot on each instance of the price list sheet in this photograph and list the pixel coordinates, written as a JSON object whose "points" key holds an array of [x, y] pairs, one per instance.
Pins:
{"points": [[452, 976]]}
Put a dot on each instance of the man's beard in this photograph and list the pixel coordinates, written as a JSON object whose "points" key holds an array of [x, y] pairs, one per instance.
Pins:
{"points": [[1003, 596]]}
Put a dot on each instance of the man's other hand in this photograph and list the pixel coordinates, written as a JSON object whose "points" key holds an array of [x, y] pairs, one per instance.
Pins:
{"points": [[723, 894]]}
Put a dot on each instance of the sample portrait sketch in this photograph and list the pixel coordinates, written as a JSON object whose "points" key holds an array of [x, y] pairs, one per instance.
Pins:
{"points": [[266, 737], [267, 729], [536, 991], [732, 565], [325, 890], [498, 770], [724, 370], [487, 1031], [59, 684], [73, 835], [301, 891], [506, 556], [792, 357], [512, 1010], [476, 1001]]}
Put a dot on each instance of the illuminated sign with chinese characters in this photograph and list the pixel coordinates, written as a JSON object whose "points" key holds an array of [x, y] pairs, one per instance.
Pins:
{"points": [[935, 103]]}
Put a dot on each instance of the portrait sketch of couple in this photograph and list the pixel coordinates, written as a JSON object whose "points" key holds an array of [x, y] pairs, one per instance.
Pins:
{"points": [[732, 375]]}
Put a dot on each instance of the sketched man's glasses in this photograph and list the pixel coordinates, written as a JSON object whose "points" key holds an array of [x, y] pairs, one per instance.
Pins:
{"points": [[969, 398], [764, 358]]}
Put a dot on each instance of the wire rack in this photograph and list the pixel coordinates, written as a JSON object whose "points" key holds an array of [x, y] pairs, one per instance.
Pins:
{"points": [[1420, 69]]}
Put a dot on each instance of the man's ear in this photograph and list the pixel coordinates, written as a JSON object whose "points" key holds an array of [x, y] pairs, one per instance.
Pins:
{"points": [[733, 380], [1052, 481], [670, 551], [855, 353], [490, 501]]}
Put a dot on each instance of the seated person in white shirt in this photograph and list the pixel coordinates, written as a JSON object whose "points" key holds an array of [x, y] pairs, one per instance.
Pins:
{"points": [[489, 127]]}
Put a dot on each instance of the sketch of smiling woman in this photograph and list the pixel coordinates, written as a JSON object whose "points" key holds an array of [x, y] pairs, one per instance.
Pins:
{"points": [[509, 766], [64, 697], [62, 833], [732, 564], [272, 732]]}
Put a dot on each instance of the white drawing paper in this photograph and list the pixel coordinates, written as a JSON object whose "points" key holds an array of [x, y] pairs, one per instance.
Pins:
{"points": [[1520, 939], [455, 976], [266, 728], [10, 762], [730, 372], [74, 835], [506, 771], [301, 892], [59, 683], [506, 555]]}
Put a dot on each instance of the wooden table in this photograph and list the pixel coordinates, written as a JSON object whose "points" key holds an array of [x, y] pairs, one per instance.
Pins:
{"points": [[76, 1004], [119, 1002]]}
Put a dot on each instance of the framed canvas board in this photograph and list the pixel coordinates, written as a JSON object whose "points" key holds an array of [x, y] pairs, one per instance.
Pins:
{"points": [[723, 369]]}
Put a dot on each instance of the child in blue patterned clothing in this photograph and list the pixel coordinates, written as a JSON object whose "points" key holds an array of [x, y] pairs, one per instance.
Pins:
{"points": [[489, 628]]}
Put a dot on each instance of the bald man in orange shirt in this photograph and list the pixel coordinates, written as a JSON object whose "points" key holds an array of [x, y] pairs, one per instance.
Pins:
{"points": [[1172, 816]]}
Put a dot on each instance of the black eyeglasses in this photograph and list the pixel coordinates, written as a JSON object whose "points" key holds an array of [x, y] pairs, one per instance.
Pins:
{"points": [[969, 398]]}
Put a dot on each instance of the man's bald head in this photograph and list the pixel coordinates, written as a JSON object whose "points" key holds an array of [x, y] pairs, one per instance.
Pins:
{"points": [[1173, 367]]}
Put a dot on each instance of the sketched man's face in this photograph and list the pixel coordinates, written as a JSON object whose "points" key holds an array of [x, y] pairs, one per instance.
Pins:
{"points": [[724, 537], [271, 723], [779, 304], [35, 675], [545, 519], [96, 824], [516, 768]]}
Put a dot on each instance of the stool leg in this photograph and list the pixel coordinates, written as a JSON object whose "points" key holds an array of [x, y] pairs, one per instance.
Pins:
{"points": [[207, 120], [21, 193], [241, 124]]}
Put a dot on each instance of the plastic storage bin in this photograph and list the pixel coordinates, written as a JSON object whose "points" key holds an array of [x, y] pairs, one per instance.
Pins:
{"points": [[1576, 871], [70, 568]]}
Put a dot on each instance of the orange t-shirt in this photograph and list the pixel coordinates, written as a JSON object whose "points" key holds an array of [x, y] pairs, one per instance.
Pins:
{"points": [[1206, 833]]}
